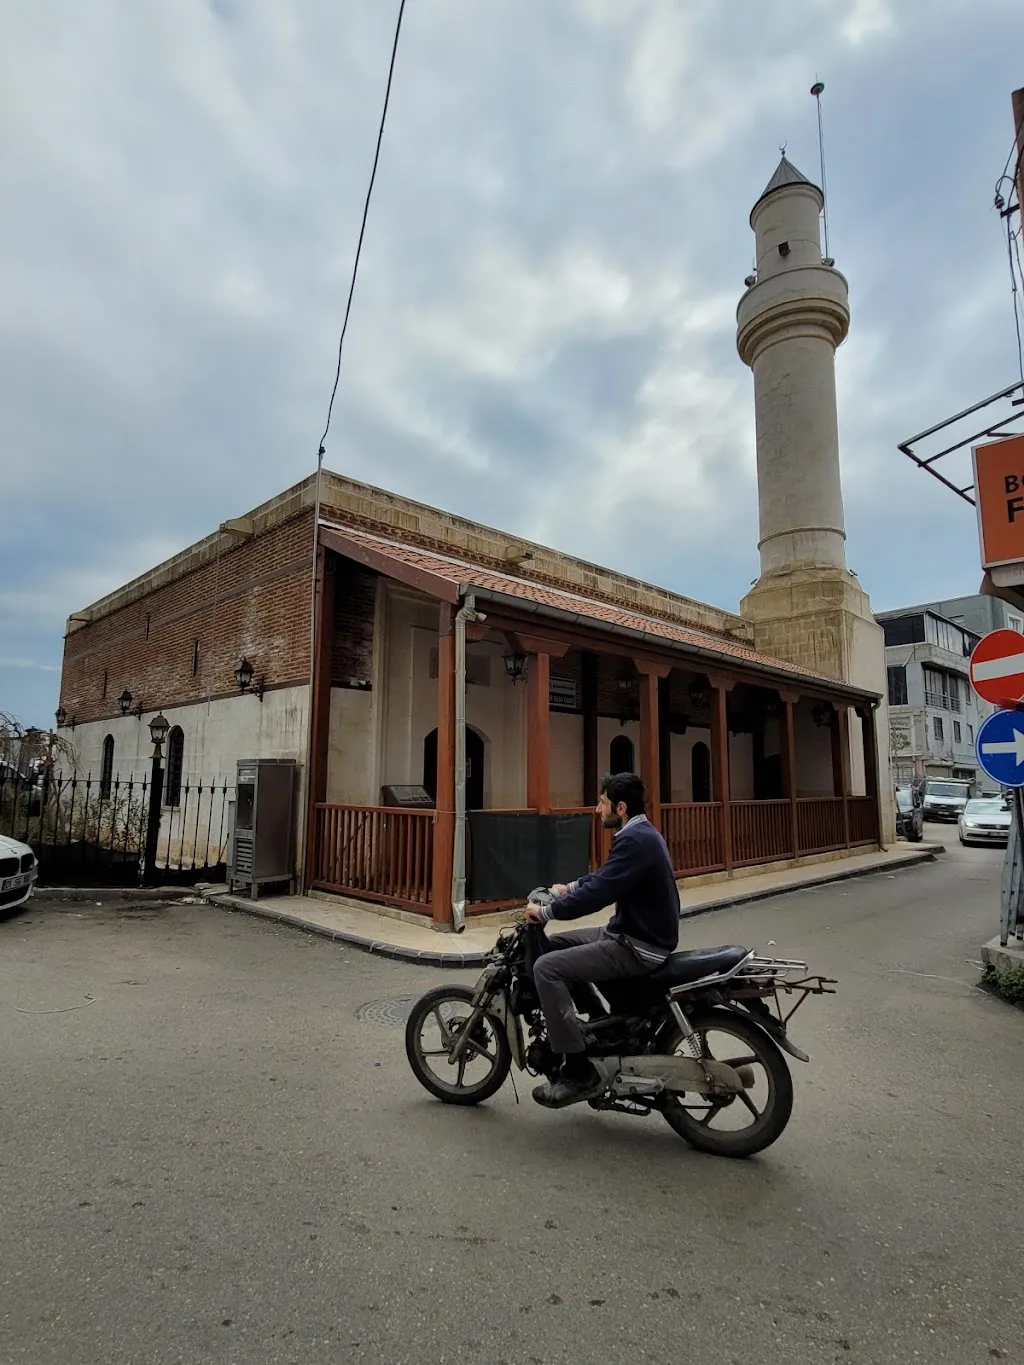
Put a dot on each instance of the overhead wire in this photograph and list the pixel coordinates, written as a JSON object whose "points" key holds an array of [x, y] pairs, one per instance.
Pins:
{"points": [[316, 585], [362, 226]]}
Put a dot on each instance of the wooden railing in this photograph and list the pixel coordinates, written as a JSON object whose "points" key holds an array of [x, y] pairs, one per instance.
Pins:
{"points": [[693, 832], [863, 819], [762, 831], [378, 852], [819, 822]]}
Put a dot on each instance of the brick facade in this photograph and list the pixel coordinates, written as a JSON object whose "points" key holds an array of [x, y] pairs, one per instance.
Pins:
{"points": [[355, 601], [181, 641]]}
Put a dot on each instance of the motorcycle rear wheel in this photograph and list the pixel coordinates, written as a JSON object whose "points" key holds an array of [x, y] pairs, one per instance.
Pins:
{"points": [[489, 1044], [692, 1116]]}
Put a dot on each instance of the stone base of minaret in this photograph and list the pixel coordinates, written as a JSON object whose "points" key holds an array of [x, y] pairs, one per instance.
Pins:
{"points": [[820, 618]]}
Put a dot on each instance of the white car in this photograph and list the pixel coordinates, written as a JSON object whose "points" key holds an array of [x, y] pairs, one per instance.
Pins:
{"points": [[985, 820], [18, 872]]}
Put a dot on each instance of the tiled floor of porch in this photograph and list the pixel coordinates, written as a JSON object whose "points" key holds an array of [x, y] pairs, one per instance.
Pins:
{"points": [[413, 938]]}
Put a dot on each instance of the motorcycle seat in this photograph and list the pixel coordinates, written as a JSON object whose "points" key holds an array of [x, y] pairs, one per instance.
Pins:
{"points": [[681, 968]]}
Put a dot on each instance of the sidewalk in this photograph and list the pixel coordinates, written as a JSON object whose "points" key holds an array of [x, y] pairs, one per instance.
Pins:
{"points": [[349, 921]]}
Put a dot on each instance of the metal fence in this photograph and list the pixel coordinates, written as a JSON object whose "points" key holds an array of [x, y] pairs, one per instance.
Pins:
{"points": [[89, 831]]}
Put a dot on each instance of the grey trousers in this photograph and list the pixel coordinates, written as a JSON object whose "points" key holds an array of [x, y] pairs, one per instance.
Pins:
{"points": [[582, 955]]}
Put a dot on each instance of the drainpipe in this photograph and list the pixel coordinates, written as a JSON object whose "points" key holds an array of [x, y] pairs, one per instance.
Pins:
{"points": [[467, 612]]}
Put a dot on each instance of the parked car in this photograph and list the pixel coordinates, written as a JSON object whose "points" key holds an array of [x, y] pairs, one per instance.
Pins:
{"points": [[945, 799], [909, 816], [18, 872], [986, 820]]}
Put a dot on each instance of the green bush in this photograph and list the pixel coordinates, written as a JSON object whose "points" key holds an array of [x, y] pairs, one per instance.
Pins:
{"points": [[1006, 982]]}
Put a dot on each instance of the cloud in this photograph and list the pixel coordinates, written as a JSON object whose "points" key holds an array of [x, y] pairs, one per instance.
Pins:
{"points": [[542, 333]]}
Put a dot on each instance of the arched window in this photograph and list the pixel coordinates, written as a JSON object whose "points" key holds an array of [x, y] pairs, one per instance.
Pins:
{"points": [[175, 767], [107, 768], [620, 755]]}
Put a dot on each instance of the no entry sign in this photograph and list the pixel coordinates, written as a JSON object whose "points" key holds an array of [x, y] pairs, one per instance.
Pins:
{"points": [[997, 667]]}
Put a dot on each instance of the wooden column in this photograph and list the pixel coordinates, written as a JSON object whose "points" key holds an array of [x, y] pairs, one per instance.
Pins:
{"points": [[787, 750], [444, 818], [841, 764], [538, 733], [588, 700], [721, 687], [650, 756], [539, 649], [320, 703], [870, 738]]}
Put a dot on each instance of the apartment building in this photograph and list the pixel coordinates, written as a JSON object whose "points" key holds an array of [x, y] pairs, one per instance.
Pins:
{"points": [[933, 712]]}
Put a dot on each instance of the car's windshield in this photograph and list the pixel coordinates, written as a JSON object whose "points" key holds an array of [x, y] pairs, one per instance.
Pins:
{"points": [[986, 805], [946, 789], [905, 801]]}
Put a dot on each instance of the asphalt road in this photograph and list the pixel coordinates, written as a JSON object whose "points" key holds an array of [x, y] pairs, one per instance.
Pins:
{"points": [[206, 1154]]}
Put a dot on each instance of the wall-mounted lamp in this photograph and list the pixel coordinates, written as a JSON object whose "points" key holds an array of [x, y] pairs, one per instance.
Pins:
{"points": [[515, 667], [62, 718], [246, 683], [628, 687], [125, 702], [699, 694], [822, 714]]}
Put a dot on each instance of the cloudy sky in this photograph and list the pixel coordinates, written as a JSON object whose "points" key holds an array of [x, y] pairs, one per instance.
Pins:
{"points": [[543, 333]]}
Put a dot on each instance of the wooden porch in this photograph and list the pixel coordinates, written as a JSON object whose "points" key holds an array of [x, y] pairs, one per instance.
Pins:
{"points": [[386, 854], [404, 857]]}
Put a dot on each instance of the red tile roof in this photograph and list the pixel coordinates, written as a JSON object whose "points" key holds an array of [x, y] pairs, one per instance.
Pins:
{"points": [[460, 571]]}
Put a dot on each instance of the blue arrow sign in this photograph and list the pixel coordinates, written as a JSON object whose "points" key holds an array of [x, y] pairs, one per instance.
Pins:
{"points": [[1000, 748]]}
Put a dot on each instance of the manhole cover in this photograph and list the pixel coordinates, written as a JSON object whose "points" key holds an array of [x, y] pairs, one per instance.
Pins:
{"points": [[389, 1013]]}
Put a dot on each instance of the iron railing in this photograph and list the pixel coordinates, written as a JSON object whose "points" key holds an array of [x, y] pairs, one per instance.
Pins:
{"points": [[91, 831]]}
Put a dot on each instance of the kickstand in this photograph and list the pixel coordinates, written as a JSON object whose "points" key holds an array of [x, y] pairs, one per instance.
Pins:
{"points": [[515, 1088]]}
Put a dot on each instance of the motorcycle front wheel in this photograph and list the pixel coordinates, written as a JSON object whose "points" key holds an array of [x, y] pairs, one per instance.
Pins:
{"points": [[743, 1124], [434, 1026]]}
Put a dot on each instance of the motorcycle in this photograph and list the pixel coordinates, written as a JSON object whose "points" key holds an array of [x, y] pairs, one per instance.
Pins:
{"points": [[699, 1041]]}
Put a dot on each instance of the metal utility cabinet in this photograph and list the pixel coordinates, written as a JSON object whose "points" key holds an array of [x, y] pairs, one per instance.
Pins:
{"points": [[263, 833]]}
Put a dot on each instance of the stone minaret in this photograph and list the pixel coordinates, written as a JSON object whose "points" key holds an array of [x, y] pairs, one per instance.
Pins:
{"points": [[806, 606]]}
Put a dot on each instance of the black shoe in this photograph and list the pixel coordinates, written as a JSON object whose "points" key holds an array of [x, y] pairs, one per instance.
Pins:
{"points": [[569, 1090]]}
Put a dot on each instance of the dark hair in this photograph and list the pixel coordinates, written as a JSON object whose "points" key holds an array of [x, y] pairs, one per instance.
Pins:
{"points": [[627, 788]]}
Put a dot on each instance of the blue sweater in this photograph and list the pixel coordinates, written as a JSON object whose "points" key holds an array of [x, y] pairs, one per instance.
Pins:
{"points": [[638, 879]]}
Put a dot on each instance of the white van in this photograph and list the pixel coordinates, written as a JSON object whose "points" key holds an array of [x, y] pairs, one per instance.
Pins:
{"points": [[945, 798]]}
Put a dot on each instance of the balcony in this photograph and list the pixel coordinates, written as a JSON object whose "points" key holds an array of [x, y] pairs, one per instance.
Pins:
{"points": [[942, 701]]}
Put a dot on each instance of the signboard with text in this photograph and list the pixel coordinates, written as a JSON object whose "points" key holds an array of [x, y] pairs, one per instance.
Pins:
{"points": [[999, 492]]}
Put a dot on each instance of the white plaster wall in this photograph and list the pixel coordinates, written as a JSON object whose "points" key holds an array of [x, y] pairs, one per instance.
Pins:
{"points": [[217, 734], [813, 745], [857, 780], [607, 729], [741, 767], [497, 712], [567, 761], [682, 761], [351, 757]]}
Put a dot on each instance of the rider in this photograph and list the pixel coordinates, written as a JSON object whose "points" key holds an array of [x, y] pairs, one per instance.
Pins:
{"points": [[644, 930]]}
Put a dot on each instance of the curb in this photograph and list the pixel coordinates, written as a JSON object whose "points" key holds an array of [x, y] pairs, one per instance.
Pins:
{"points": [[847, 874], [112, 893], [426, 957]]}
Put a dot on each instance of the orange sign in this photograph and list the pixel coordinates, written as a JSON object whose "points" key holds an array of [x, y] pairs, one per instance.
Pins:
{"points": [[999, 489]]}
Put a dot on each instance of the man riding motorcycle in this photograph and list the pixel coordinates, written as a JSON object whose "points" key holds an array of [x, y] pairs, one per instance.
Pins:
{"points": [[644, 930]]}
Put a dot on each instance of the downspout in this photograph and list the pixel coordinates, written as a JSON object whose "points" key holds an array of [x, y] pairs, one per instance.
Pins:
{"points": [[467, 612]]}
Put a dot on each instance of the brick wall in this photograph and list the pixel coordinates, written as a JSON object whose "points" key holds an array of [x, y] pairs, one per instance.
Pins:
{"points": [[355, 600], [252, 600]]}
